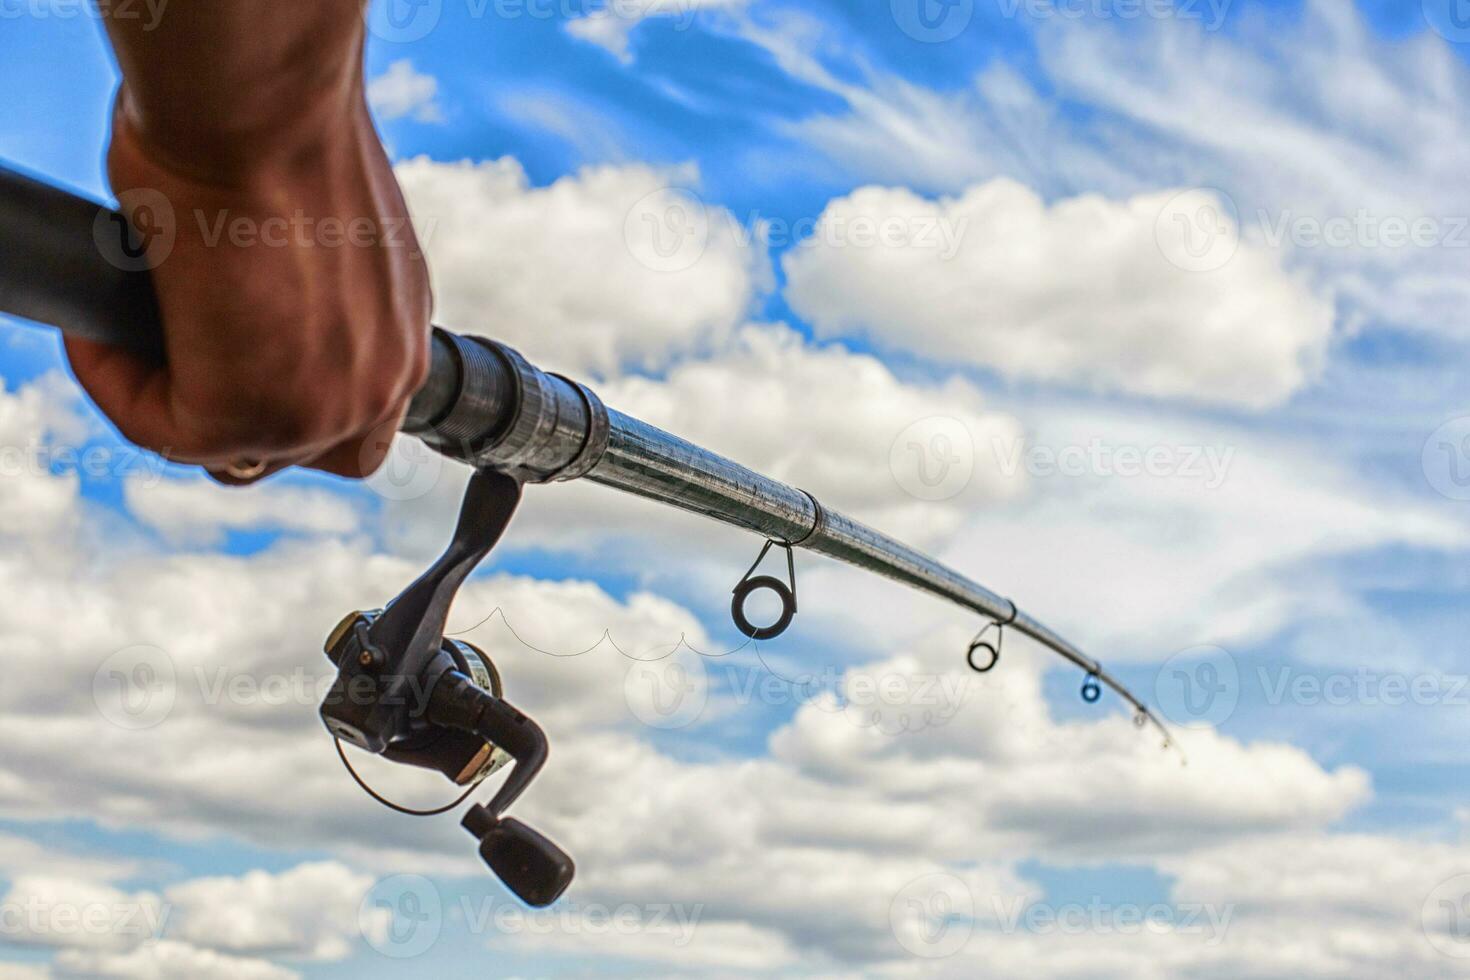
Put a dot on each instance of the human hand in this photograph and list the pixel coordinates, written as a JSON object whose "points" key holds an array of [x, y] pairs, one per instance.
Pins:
{"points": [[295, 303]]}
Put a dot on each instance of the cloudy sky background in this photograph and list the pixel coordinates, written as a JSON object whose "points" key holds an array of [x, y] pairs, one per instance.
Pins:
{"points": [[1176, 292]]}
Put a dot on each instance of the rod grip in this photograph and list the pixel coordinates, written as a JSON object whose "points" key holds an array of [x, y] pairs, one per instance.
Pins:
{"points": [[62, 264], [52, 271]]}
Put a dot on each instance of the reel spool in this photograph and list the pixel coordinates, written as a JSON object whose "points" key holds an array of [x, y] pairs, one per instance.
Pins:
{"points": [[461, 757]]}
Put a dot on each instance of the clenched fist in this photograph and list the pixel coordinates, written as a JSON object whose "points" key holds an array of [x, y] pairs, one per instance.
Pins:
{"points": [[295, 299]]}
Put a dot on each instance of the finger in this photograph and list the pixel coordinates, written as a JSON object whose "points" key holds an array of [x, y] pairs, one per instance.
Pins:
{"points": [[362, 455], [135, 393]]}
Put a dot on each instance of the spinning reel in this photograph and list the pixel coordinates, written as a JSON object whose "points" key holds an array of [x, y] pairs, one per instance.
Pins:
{"points": [[409, 694]]}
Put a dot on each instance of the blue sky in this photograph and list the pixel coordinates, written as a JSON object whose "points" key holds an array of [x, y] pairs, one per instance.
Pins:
{"points": [[1070, 147]]}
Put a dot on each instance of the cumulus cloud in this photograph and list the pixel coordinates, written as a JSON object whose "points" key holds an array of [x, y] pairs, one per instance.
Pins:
{"points": [[841, 806], [404, 91], [48, 910], [201, 927], [307, 912], [828, 419], [615, 266], [1314, 129], [200, 511], [1087, 291], [1325, 157], [1358, 904], [167, 960]]}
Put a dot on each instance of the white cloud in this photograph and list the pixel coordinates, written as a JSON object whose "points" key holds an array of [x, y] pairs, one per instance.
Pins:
{"points": [[1316, 123], [200, 511], [212, 926], [21, 856], [835, 809], [1239, 554], [18, 971], [403, 91], [826, 419], [309, 911], [38, 422], [609, 26], [49, 910], [168, 960], [1088, 292], [1355, 904], [612, 267]]}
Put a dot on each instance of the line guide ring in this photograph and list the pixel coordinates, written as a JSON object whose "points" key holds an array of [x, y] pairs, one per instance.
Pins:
{"points": [[981, 643], [753, 583]]}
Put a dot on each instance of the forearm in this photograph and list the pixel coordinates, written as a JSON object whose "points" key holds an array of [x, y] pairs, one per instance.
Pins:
{"points": [[228, 87]]}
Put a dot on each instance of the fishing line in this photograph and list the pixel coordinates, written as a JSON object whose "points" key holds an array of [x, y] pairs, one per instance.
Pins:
{"points": [[606, 638]]}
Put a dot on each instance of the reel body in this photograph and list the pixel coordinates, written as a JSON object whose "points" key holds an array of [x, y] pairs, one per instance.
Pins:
{"points": [[410, 694], [461, 757]]}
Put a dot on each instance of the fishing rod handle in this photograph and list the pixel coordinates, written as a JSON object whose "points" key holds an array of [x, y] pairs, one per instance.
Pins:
{"points": [[64, 261]]}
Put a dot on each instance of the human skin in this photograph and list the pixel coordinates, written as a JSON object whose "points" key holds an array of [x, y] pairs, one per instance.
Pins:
{"points": [[282, 346]]}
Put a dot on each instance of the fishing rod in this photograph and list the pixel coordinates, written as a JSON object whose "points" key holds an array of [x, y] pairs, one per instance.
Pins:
{"points": [[81, 266]]}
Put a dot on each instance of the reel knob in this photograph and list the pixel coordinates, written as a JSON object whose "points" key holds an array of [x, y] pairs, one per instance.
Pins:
{"points": [[529, 864]]}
